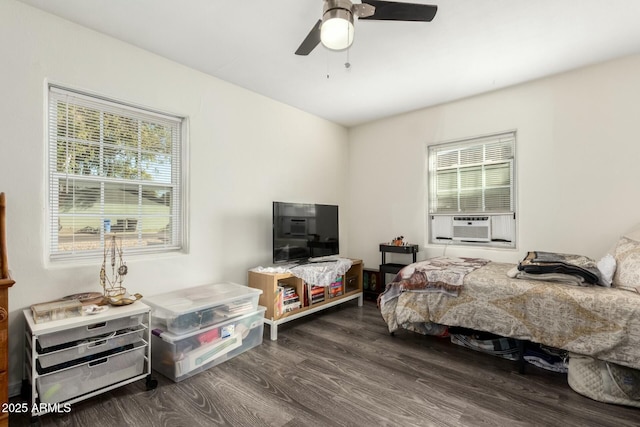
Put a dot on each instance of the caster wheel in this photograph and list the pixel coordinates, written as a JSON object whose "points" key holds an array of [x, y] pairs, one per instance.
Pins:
{"points": [[151, 383]]}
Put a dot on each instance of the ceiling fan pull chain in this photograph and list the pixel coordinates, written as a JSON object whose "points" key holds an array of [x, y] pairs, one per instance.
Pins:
{"points": [[347, 64], [327, 58]]}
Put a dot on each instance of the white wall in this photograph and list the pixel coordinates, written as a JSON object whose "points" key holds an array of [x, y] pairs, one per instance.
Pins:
{"points": [[246, 151], [578, 149]]}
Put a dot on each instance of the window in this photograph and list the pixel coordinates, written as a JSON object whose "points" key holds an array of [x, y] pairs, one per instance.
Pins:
{"points": [[473, 180], [113, 168]]}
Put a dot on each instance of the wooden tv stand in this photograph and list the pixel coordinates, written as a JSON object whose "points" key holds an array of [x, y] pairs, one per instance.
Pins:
{"points": [[268, 283]]}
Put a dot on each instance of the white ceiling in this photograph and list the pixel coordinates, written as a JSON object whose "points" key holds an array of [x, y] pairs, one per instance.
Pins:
{"points": [[471, 47]]}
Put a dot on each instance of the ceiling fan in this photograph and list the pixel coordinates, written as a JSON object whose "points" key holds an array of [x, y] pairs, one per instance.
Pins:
{"points": [[335, 30]]}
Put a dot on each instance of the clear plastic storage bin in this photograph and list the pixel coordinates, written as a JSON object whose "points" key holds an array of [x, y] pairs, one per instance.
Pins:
{"points": [[188, 310], [181, 356]]}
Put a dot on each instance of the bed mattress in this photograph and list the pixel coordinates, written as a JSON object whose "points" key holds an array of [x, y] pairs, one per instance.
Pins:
{"points": [[595, 321]]}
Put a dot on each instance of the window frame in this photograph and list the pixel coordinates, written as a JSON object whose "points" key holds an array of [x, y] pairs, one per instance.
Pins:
{"points": [[505, 217], [177, 184]]}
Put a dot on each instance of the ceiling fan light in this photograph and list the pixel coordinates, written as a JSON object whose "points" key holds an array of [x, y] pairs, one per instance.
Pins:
{"points": [[337, 29]]}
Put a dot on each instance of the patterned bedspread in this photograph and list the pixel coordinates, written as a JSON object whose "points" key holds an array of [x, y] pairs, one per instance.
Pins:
{"points": [[595, 321]]}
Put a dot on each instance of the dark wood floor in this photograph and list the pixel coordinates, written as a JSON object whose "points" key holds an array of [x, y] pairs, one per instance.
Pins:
{"points": [[342, 368]]}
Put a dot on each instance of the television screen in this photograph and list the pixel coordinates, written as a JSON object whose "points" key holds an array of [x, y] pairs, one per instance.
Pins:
{"points": [[304, 230]]}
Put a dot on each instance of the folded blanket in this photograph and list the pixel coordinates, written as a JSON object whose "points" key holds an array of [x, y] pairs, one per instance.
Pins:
{"points": [[569, 279], [439, 274], [550, 262]]}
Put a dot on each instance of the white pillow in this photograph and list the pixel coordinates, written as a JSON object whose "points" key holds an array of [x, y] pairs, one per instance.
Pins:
{"points": [[607, 268], [627, 254]]}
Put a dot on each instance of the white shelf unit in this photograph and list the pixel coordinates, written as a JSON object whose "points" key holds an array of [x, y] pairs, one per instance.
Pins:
{"points": [[73, 359]]}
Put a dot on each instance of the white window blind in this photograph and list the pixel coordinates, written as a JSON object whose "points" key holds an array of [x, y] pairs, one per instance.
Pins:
{"points": [[473, 176], [113, 168]]}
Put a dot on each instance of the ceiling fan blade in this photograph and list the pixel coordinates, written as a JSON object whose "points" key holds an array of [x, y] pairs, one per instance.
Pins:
{"points": [[395, 11], [311, 41]]}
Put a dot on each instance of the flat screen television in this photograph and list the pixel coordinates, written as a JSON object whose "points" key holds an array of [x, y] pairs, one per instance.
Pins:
{"points": [[304, 230]]}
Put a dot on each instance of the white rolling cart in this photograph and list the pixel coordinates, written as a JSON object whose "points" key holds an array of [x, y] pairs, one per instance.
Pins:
{"points": [[73, 359]]}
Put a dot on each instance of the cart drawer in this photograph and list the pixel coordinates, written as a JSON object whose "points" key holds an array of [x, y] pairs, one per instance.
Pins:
{"points": [[90, 349], [84, 332], [73, 382]]}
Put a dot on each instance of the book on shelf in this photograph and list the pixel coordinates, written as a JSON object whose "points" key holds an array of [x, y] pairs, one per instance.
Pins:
{"points": [[278, 303], [291, 307], [314, 294], [288, 302], [287, 298], [336, 288]]}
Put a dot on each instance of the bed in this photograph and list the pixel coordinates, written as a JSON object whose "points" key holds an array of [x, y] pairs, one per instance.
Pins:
{"points": [[598, 321]]}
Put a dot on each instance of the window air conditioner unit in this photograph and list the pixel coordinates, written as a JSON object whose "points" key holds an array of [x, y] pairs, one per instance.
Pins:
{"points": [[472, 228]]}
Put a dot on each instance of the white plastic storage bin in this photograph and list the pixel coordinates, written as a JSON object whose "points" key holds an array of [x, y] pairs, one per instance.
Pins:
{"points": [[181, 356], [69, 383], [90, 349], [83, 332], [188, 310]]}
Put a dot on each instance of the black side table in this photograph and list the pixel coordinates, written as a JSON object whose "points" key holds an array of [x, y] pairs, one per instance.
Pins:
{"points": [[394, 268]]}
